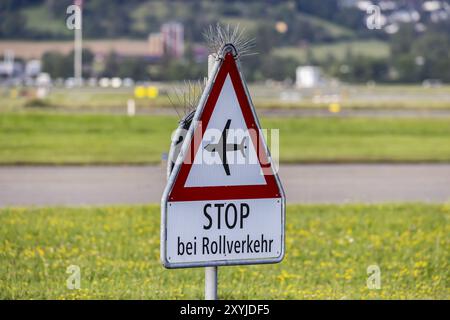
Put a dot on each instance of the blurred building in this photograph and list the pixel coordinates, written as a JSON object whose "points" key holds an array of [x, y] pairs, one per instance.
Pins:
{"points": [[308, 77], [156, 45], [173, 39], [8, 67], [169, 41]]}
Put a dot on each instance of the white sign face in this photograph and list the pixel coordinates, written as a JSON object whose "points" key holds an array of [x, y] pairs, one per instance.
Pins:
{"points": [[224, 204], [243, 165]]}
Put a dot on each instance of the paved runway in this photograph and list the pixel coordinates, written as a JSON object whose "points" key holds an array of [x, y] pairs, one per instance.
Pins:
{"points": [[324, 183]]}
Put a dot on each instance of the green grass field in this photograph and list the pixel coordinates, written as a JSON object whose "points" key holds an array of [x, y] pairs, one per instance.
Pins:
{"points": [[40, 138], [328, 250], [321, 52], [334, 30], [108, 100]]}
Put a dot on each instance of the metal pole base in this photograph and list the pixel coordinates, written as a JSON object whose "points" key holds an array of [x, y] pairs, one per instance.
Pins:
{"points": [[211, 283]]}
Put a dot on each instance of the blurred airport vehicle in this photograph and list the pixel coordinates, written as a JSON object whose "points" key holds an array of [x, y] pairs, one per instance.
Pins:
{"points": [[290, 96], [334, 107], [116, 82], [150, 92], [33, 68], [432, 83], [140, 92], [308, 77], [43, 84], [69, 82], [128, 82], [104, 82]]}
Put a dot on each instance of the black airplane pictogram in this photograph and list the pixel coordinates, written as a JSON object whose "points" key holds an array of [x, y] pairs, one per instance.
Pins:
{"points": [[222, 147]]}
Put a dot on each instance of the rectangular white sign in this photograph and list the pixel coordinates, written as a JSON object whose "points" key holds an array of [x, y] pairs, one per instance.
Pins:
{"points": [[207, 233]]}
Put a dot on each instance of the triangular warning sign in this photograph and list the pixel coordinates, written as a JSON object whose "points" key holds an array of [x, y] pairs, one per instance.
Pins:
{"points": [[223, 204], [225, 156]]}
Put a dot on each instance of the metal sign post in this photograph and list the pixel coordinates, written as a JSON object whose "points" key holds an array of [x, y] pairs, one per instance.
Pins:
{"points": [[211, 282], [211, 273], [78, 46]]}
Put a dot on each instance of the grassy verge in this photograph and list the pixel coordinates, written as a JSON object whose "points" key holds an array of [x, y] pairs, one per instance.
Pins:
{"points": [[377, 97], [37, 138], [322, 52], [328, 251]]}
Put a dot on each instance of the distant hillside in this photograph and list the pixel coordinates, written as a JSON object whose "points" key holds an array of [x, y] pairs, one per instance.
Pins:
{"points": [[45, 19]]}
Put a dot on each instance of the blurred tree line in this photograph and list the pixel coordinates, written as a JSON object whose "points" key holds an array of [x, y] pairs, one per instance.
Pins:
{"points": [[413, 58], [422, 56], [136, 18], [60, 65]]}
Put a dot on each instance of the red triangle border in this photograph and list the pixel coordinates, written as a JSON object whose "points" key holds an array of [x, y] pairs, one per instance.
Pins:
{"points": [[270, 190]]}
